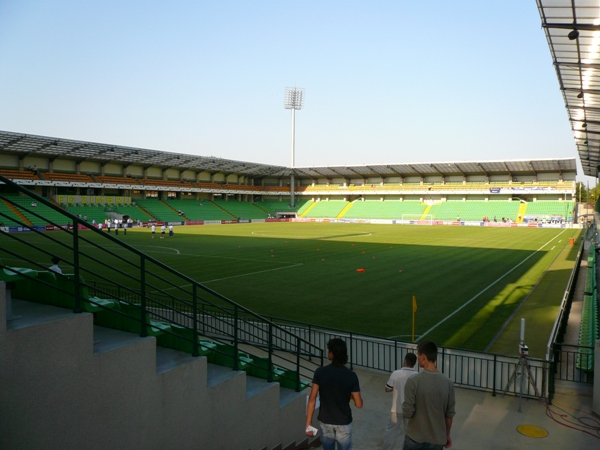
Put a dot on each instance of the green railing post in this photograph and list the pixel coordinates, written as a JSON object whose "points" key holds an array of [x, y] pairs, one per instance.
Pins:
{"points": [[270, 357], [77, 285], [195, 351], [443, 359], [351, 347], [144, 332], [494, 378], [298, 350], [552, 374], [309, 338], [235, 338]]}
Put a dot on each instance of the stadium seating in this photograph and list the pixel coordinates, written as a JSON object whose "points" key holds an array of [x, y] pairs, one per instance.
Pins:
{"points": [[390, 209], [182, 338], [48, 214], [107, 179], [241, 209], [326, 209], [224, 356], [8, 216], [588, 330], [199, 210], [69, 177], [92, 213], [59, 290], [275, 206], [549, 209], [474, 210], [168, 183], [161, 211], [19, 174]]}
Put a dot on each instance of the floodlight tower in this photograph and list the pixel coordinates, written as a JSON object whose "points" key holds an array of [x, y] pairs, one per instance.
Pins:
{"points": [[294, 100]]}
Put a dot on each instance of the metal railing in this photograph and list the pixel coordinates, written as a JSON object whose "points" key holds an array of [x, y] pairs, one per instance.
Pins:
{"points": [[115, 270]]}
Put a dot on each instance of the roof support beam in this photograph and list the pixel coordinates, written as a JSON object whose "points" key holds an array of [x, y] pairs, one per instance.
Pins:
{"points": [[572, 26], [577, 65]]}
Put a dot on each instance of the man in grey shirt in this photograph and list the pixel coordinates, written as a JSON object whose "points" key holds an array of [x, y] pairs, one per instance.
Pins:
{"points": [[429, 403]]}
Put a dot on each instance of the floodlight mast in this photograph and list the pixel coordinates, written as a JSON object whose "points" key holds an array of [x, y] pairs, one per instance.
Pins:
{"points": [[294, 100]]}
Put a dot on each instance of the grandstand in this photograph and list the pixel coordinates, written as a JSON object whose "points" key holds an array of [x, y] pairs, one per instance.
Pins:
{"points": [[241, 210], [391, 209], [475, 210]]}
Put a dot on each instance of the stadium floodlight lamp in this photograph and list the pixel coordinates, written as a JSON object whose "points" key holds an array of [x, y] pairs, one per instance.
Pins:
{"points": [[294, 100]]}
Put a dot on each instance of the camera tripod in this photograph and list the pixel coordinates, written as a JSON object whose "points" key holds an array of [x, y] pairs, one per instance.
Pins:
{"points": [[521, 372]]}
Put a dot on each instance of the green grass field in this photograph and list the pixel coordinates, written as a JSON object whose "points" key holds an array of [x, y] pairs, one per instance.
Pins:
{"points": [[467, 280]]}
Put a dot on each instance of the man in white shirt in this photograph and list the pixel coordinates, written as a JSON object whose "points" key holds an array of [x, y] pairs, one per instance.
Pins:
{"points": [[162, 232], [153, 230], [396, 426], [54, 267]]}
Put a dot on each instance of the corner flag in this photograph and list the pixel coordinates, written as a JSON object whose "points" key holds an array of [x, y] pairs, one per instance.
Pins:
{"points": [[414, 304]]}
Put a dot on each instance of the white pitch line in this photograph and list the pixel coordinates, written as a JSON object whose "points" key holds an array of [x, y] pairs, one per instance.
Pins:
{"points": [[252, 273], [233, 276], [485, 289]]}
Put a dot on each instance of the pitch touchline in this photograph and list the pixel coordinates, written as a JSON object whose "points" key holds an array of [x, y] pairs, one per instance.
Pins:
{"points": [[485, 289]]}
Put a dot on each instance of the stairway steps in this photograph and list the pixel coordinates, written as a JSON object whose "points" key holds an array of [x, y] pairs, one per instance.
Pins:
{"points": [[132, 384]]}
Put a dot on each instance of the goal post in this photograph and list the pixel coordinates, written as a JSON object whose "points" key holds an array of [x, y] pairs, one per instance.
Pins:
{"points": [[418, 219]]}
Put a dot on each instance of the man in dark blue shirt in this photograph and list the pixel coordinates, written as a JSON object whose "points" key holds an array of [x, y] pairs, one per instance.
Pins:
{"points": [[336, 386]]}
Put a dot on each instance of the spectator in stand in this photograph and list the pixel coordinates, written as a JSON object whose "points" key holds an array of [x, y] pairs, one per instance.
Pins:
{"points": [[54, 267]]}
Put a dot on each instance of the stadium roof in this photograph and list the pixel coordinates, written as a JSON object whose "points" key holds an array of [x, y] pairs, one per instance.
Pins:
{"points": [[30, 145], [572, 29]]}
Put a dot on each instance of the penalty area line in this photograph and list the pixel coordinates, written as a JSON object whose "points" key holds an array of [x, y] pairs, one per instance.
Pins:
{"points": [[485, 289]]}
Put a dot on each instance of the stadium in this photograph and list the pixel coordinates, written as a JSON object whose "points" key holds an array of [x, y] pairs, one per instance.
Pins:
{"points": [[198, 293]]}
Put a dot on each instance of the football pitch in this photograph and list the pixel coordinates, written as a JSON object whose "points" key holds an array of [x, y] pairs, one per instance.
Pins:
{"points": [[468, 281]]}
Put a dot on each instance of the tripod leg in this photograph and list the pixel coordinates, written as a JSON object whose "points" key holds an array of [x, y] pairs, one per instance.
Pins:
{"points": [[513, 376]]}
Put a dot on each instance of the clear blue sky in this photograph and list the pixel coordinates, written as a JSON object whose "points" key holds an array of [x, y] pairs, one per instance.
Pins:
{"points": [[386, 81]]}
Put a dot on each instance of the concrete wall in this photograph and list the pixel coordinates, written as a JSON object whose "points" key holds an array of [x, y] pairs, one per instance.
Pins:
{"points": [[58, 393]]}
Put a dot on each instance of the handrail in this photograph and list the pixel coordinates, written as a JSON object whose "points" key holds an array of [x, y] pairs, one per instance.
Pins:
{"points": [[189, 305], [565, 303]]}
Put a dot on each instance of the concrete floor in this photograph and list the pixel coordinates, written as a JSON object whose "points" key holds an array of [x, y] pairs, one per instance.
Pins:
{"points": [[483, 421]]}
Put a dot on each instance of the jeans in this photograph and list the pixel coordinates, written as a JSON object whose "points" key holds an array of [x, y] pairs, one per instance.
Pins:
{"points": [[409, 444], [342, 434]]}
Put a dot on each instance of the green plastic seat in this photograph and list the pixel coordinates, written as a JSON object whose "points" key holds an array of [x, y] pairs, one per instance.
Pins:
{"points": [[224, 356], [288, 380], [182, 338], [131, 321], [40, 290], [260, 368], [89, 303]]}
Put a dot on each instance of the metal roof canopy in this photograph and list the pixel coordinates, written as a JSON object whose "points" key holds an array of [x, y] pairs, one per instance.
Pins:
{"points": [[53, 148], [572, 29]]}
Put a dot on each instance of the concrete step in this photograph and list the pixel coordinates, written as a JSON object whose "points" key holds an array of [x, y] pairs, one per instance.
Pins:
{"points": [[79, 383]]}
